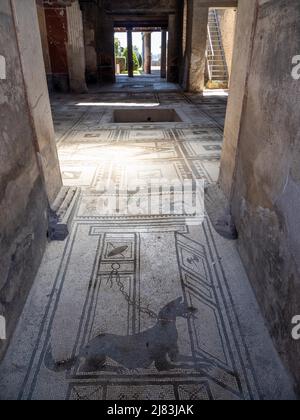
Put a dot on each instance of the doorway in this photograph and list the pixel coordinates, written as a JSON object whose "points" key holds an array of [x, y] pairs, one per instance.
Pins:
{"points": [[149, 53]]}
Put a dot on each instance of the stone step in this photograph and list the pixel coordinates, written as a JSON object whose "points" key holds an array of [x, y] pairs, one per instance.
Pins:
{"points": [[62, 212], [218, 62]]}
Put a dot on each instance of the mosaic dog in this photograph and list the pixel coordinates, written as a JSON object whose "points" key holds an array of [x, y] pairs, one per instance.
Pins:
{"points": [[139, 351]]}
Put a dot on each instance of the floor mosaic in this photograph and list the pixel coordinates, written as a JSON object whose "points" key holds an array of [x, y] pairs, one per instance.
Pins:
{"points": [[140, 306]]}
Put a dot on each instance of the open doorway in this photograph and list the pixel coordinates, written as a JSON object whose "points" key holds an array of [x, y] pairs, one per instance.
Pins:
{"points": [[121, 53], [149, 53]]}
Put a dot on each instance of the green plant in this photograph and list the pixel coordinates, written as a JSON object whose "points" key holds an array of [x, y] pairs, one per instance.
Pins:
{"points": [[136, 64], [118, 48]]}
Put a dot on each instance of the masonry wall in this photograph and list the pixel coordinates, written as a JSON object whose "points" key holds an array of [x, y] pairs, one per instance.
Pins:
{"points": [[227, 18], [30, 50], [264, 185], [246, 22], [194, 62], [23, 199]]}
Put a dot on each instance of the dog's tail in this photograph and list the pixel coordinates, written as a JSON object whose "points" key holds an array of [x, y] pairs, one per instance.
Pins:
{"points": [[58, 366]]}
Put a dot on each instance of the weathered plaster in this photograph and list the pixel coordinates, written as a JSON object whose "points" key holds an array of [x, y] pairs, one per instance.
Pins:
{"points": [[262, 142], [227, 18], [30, 49], [246, 20], [23, 200], [76, 49], [196, 38]]}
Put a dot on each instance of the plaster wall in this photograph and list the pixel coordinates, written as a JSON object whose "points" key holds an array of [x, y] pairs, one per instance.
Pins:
{"points": [[227, 18], [76, 49], [196, 39], [246, 21], [23, 200], [264, 149], [30, 49]]}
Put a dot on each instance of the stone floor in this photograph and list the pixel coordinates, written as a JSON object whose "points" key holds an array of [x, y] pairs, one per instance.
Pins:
{"points": [[136, 305]]}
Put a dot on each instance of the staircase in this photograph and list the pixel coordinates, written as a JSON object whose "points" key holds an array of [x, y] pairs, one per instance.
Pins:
{"points": [[216, 61]]}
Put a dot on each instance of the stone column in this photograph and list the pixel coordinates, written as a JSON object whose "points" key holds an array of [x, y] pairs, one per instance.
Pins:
{"points": [[174, 47], [30, 47], [75, 49], [105, 47], [163, 54], [147, 53], [196, 46], [90, 13], [172, 51], [130, 53]]}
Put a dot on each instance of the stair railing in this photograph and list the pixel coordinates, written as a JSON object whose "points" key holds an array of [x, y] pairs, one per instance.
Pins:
{"points": [[211, 51]]}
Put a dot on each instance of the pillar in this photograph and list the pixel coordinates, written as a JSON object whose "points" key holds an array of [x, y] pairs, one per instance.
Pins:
{"points": [[130, 53], [147, 53], [30, 48], [197, 22], [105, 47], [174, 47], [75, 49], [90, 13], [164, 54]]}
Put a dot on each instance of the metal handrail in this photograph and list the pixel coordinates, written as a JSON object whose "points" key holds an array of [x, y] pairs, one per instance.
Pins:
{"points": [[211, 49], [220, 40], [210, 41]]}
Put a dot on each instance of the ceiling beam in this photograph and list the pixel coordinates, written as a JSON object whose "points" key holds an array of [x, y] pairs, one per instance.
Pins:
{"points": [[218, 3]]}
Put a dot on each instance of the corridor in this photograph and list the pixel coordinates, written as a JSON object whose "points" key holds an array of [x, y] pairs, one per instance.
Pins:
{"points": [[149, 201], [135, 305]]}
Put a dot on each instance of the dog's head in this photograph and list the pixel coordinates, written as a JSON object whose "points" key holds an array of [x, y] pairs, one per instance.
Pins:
{"points": [[177, 308]]}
